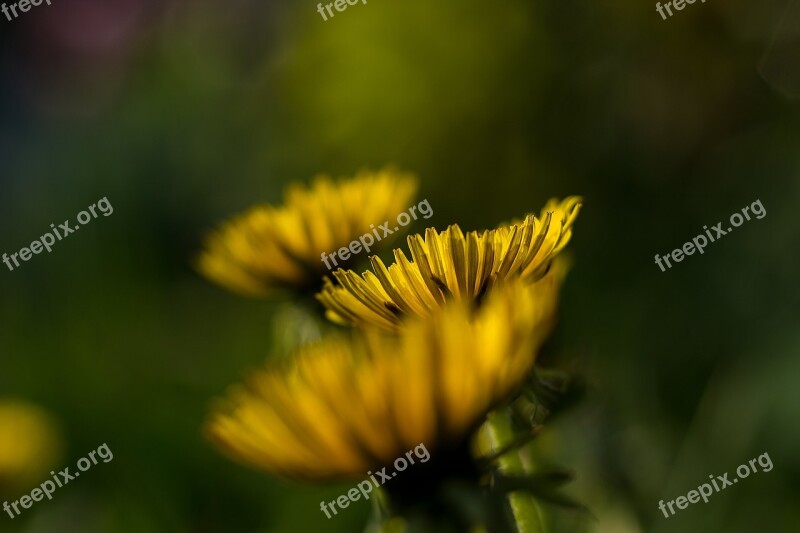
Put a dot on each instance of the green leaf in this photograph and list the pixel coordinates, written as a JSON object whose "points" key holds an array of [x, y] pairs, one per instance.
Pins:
{"points": [[543, 487]]}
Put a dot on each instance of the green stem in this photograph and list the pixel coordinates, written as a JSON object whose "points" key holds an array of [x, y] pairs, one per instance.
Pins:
{"points": [[528, 515]]}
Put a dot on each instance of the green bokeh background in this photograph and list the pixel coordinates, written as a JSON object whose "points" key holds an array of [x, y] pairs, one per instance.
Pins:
{"points": [[183, 113]]}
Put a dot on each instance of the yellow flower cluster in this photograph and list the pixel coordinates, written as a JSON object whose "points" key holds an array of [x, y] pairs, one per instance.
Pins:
{"points": [[440, 339]]}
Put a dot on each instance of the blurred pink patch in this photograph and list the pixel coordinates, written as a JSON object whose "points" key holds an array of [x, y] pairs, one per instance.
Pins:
{"points": [[92, 25], [71, 58]]}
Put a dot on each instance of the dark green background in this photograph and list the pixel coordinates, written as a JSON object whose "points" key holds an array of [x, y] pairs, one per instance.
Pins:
{"points": [[183, 113]]}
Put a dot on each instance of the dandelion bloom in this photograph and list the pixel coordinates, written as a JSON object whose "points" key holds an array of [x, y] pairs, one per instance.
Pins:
{"points": [[341, 408], [272, 247], [449, 264], [30, 444]]}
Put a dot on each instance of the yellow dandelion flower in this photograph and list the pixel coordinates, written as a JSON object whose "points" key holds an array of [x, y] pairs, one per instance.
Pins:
{"points": [[340, 409], [281, 247], [29, 444], [449, 264]]}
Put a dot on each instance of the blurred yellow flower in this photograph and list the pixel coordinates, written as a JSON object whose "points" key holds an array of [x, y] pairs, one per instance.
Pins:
{"points": [[340, 408], [270, 247], [30, 444], [449, 264]]}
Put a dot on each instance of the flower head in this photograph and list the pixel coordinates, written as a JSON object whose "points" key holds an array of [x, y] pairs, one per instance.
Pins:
{"points": [[342, 408], [29, 444], [449, 264], [280, 247]]}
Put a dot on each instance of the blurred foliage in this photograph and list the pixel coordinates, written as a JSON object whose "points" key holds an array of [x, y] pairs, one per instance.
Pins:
{"points": [[182, 113]]}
